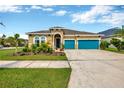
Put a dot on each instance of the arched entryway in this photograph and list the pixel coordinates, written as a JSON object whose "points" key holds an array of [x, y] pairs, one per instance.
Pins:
{"points": [[57, 41]]}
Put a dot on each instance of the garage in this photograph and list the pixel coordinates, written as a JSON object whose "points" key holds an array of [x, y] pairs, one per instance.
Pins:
{"points": [[88, 44], [69, 44]]}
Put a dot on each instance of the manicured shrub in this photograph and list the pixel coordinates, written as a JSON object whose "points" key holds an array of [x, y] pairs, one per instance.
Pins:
{"points": [[26, 49], [104, 44], [44, 47], [33, 48], [62, 46], [116, 43], [50, 50], [39, 49]]}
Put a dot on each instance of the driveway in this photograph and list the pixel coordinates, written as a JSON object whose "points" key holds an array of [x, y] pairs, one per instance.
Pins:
{"points": [[96, 68]]}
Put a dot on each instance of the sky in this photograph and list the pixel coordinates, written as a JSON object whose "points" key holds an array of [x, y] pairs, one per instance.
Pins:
{"points": [[26, 18]]}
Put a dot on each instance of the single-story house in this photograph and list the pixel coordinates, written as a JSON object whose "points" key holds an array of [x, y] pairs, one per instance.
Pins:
{"points": [[57, 37]]}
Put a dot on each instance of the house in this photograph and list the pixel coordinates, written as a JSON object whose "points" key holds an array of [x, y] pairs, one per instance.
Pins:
{"points": [[57, 37]]}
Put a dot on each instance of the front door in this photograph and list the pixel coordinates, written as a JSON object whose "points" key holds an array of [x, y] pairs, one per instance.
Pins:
{"points": [[58, 43]]}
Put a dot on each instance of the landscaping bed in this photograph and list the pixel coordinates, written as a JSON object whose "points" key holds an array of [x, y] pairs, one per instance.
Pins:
{"points": [[114, 45], [34, 77], [115, 50], [9, 54], [41, 53]]}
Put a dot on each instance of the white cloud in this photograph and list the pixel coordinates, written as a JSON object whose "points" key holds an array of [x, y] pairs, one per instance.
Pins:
{"points": [[60, 13], [27, 9], [100, 14], [41, 8], [113, 18], [47, 6], [1, 35], [10, 8], [36, 7], [91, 15], [47, 9]]}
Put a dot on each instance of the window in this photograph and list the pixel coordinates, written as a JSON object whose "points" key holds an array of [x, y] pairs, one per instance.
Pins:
{"points": [[37, 41], [43, 38]]}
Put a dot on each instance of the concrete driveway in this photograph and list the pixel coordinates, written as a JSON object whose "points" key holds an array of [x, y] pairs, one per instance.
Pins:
{"points": [[96, 68]]}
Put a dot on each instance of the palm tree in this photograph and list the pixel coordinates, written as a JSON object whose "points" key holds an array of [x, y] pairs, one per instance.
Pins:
{"points": [[120, 32], [3, 40], [16, 37], [1, 23]]}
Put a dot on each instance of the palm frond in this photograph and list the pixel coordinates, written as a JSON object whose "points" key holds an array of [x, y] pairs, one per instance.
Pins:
{"points": [[2, 24]]}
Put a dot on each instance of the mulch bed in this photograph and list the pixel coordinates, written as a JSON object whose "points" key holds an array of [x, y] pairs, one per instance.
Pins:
{"points": [[41, 53]]}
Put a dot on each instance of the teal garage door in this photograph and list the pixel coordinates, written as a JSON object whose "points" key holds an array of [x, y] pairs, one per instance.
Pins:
{"points": [[88, 44], [69, 44]]}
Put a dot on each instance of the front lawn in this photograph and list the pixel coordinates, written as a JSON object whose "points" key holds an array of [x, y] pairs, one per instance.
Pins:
{"points": [[7, 55], [34, 77], [115, 50]]}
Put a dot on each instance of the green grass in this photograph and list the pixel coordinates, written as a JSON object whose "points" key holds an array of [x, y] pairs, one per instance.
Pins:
{"points": [[7, 55], [115, 50], [34, 77]]}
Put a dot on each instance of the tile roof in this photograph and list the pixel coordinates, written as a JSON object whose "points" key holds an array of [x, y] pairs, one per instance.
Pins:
{"points": [[73, 32], [65, 31], [42, 31]]}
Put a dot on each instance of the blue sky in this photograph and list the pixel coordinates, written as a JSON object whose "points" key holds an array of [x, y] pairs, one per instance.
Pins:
{"points": [[22, 19]]}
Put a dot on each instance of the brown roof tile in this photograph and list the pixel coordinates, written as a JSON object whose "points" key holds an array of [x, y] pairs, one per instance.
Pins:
{"points": [[73, 32], [66, 32]]}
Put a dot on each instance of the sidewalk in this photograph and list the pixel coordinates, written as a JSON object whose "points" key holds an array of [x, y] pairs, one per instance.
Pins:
{"points": [[34, 64]]}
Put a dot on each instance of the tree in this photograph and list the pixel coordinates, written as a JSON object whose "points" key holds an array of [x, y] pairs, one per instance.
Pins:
{"points": [[16, 37], [11, 40], [120, 32], [116, 43], [4, 36], [122, 45], [21, 42], [1, 23], [104, 44], [3, 40]]}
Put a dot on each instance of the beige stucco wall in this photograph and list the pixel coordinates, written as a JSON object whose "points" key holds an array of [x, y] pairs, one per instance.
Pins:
{"points": [[50, 38], [31, 39]]}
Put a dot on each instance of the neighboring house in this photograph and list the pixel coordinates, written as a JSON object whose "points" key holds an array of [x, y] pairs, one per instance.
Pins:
{"points": [[57, 37]]}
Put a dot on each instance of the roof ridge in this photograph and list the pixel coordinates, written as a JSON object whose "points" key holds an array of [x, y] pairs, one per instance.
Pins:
{"points": [[81, 31]]}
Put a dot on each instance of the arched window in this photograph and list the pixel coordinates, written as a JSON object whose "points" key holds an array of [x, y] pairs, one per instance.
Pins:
{"points": [[37, 40], [43, 39]]}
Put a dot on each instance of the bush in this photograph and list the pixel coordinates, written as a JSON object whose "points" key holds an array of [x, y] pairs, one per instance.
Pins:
{"points": [[33, 48], [50, 50], [122, 45], [44, 47], [26, 49], [63, 46], [104, 44], [39, 49], [116, 43]]}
